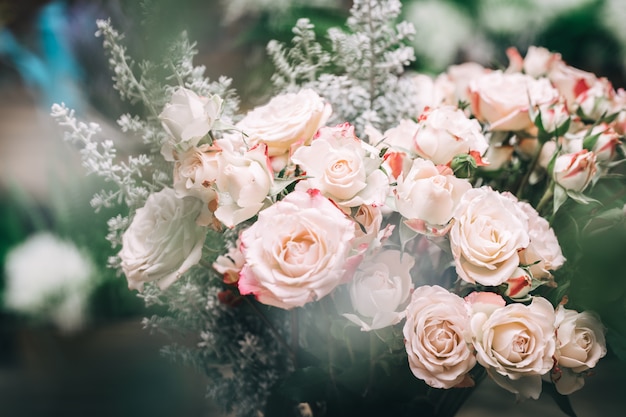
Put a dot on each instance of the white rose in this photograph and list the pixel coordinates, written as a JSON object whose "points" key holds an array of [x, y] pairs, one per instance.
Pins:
{"points": [[162, 241], [580, 345], [543, 254], [379, 288], [516, 345], [574, 171], [189, 117], [488, 232], [445, 132], [286, 122], [243, 184], [437, 337], [296, 251], [343, 168], [427, 194], [503, 100]]}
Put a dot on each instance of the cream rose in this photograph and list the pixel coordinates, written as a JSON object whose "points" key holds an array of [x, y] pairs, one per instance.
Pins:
{"points": [[503, 100], [379, 288], [162, 241], [580, 345], [296, 251], [462, 75], [187, 118], [343, 168], [445, 132], [516, 345], [575, 171], [286, 122], [538, 61], [543, 254], [426, 193], [488, 232], [243, 184], [437, 337]]}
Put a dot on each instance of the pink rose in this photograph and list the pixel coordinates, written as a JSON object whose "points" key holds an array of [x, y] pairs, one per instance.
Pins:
{"points": [[571, 82], [437, 337], [503, 100], [580, 345], [287, 122], [296, 251], [575, 171], [445, 132], [516, 345], [342, 167], [426, 193], [488, 232], [543, 254]]}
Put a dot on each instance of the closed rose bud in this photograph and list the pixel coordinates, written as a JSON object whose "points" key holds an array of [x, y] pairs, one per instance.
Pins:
{"points": [[519, 285], [575, 171]]}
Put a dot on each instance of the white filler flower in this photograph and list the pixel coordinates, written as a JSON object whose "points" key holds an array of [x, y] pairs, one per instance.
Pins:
{"points": [[48, 277]]}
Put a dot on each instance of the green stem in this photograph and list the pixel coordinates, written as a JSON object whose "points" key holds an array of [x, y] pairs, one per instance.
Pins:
{"points": [[546, 197], [526, 178]]}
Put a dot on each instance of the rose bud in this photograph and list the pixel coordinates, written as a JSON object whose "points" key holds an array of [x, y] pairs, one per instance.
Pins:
{"points": [[575, 171]]}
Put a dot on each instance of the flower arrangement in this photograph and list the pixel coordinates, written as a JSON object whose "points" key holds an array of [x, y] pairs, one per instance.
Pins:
{"points": [[367, 240]]}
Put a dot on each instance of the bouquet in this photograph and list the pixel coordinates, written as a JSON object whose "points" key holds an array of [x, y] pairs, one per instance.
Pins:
{"points": [[369, 240]]}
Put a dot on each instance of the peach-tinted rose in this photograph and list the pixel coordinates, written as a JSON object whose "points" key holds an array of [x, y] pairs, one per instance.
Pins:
{"points": [[516, 345], [437, 337], [503, 100], [427, 194], [285, 123], [488, 232], [296, 251]]}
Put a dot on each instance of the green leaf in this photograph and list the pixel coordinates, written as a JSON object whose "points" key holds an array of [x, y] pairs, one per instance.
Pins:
{"points": [[406, 234], [560, 197], [561, 400], [580, 198]]}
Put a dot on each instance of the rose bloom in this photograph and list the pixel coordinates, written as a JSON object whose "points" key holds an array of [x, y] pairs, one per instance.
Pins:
{"points": [[488, 232], [461, 75], [503, 100], [445, 132], [230, 265], [429, 193], [162, 241], [537, 62], [368, 221], [575, 171], [296, 251], [243, 183], [543, 254], [516, 345], [605, 147], [437, 337], [342, 167], [379, 288], [285, 123], [187, 118], [433, 93], [580, 345], [570, 81]]}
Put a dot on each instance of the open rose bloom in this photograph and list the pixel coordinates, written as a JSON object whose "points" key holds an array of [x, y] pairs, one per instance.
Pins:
{"points": [[436, 235]]}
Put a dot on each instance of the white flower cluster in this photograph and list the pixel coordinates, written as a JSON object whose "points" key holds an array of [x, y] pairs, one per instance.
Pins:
{"points": [[49, 279]]}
